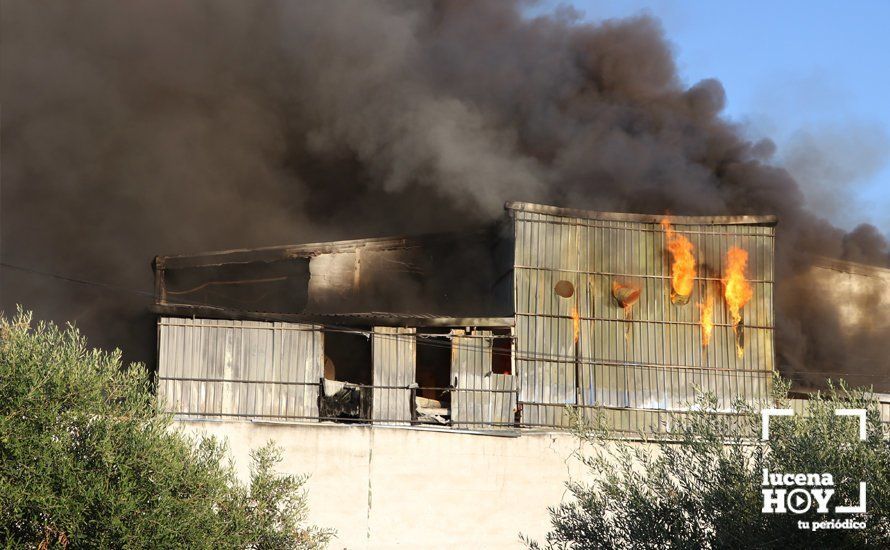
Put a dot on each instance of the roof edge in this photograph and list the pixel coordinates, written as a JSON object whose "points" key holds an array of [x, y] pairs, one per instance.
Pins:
{"points": [[292, 251], [768, 220], [420, 320], [854, 268]]}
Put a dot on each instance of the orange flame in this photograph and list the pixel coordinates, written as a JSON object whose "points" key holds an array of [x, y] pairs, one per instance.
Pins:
{"points": [[707, 320], [683, 267], [736, 288], [576, 323]]}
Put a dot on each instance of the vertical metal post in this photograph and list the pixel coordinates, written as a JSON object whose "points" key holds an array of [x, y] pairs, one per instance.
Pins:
{"points": [[578, 388], [160, 284], [320, 398]]}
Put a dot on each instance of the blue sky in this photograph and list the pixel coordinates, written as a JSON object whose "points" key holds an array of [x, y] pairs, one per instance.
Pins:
{"points": [[813, 76]]}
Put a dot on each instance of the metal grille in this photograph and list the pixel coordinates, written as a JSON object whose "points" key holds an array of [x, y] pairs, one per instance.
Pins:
{"points": [[479, 396], [394, 353], [244, 368], [651, 357]]}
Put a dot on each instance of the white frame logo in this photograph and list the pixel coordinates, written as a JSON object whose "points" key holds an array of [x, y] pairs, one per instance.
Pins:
{"points": [[799, 500]]}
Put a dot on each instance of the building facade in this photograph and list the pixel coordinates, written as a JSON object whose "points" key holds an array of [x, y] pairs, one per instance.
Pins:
{"points": [[549, 311], [423, 383]]}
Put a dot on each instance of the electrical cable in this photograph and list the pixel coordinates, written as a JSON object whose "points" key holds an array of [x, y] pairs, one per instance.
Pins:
{"points": [[424, 338]]}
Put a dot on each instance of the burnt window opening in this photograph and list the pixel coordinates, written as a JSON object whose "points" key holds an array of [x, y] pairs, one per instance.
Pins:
{"points": [[347, 357], [347, 368], [433, 364], [432, 399], [502, 352]]}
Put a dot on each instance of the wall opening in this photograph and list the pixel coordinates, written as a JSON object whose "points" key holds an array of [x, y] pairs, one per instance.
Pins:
{"points": [[502, 352], [433, 364], [347, 367], [347, 357]]}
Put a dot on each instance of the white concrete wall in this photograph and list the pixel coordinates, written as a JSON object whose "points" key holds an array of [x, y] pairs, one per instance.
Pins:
{"points": [[411, 488]]}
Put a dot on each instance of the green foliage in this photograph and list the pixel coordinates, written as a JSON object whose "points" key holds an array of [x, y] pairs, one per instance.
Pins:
{"points": [[703, 488], [87, 459], [277, 506]]}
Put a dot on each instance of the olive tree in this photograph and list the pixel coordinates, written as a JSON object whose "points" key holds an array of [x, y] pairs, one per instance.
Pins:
{"points": [[701, 486], [88, 460]]}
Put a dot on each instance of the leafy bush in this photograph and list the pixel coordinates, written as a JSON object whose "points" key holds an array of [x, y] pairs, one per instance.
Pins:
{"points": [[703, 489], [88, 460]]}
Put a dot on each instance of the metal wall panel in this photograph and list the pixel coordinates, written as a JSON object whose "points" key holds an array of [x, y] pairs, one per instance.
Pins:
{"points": [[801, 406], [332, 280], [394, 356], [652, 357], [480, 398], [470, 364], [503, 400], [252, 369]]}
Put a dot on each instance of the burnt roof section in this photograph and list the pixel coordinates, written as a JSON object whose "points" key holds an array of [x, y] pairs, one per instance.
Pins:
{"points": [[642, 218], [342, 319], [307, 250], [396, 281], [286, 252], [300, 283]]}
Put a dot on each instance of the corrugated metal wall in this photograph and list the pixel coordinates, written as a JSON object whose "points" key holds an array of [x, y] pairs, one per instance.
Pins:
{"points": [[239, 368], [394, 356], [480, 397], [649, 358], [634, 366], [502, 388]]}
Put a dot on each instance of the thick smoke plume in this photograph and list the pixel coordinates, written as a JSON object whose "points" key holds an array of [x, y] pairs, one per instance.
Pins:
{"points": [[136, 128]]}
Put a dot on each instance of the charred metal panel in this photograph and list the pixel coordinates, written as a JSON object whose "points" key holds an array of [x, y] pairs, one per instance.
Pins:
{"points": [[279, 286], [650, 356], [480, 396], [502, 259], [394, 355], [249, 369], [449, 275], [366, 280], [452, 277], [332, 281]]}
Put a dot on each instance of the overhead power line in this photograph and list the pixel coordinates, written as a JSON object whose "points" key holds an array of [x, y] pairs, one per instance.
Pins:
{"points": [[423, 338]]}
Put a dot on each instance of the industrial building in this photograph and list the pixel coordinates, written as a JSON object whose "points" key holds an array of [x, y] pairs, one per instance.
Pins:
{"points": [[509, 327], [423, 382]]}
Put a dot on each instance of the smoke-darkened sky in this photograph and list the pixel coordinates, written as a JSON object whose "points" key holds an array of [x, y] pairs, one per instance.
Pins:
{"points": [[131, 129], [813, 76]]}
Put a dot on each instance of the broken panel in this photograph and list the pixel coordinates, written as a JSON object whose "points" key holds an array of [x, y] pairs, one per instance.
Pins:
{"points": [[394, 353], [480, 398]]}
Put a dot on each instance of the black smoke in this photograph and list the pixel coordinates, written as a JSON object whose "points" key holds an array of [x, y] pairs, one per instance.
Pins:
{"points": [[143, 127]]}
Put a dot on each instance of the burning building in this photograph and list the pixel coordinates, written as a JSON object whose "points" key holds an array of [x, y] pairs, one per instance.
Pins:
{"points": [[629, 315]]}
